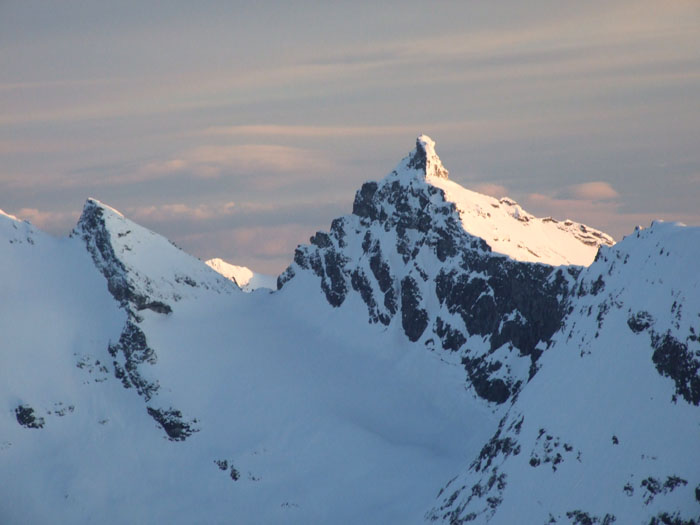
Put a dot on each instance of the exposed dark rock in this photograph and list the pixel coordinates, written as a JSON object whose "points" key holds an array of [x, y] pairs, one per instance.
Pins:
{"points": [[362, 207], [653, 487], [335, 290], [91, 228], [235, 475], [451, 338], [286, 275], [580, 517], [322, 240], [640, 321], [172, 422], [673, 359], [27, 418], [156, 306], [479, 371], [413, 318], [185, 279], [338, 230], [550, 450], [597, 285], [360, 283], [134, 349], [381, 271], [664, 518]]}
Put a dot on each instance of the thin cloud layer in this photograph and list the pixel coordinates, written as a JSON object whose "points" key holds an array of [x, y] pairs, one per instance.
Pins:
{"points": [[577, 110], [181, 211], [260, 162], [591, 191]]}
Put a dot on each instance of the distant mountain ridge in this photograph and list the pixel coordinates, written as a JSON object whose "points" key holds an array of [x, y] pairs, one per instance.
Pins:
{"points": [[243, 276], [436, 355]]}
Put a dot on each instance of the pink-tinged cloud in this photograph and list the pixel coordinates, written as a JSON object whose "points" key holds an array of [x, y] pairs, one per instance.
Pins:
{"points": [[212, 161], [46, 220], [311, 131], [265, 249], [179, 211], [164, 167], [594, 191], [256, 158]]}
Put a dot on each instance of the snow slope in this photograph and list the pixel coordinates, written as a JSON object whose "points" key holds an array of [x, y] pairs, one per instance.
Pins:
{"points": [[243, 276], [608, 428], [406, 369], [216, 406], [504, 225]]}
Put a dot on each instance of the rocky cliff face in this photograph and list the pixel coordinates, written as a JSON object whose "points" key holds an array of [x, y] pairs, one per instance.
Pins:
{"points": [[118, 247], [405, 251], [623, 366]]}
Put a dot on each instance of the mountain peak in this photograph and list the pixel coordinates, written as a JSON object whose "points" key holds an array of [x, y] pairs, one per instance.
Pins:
{"points": [[246, 279], [425, 160], [91, 204]]}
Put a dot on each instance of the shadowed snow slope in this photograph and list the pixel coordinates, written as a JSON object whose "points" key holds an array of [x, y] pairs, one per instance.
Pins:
{"points": [[173, 397], [434, 334]]}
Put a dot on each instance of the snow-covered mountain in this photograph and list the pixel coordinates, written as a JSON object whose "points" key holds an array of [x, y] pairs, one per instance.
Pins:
{"points": [[244, 277], [608, 430], [454, 268], [437, 355]]}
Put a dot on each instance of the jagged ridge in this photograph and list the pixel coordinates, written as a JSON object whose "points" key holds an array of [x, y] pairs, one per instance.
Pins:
{"points": [[405, 251], [106, 233], [624, 365]]}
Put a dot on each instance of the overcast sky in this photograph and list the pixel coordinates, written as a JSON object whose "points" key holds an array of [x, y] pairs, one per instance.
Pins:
{"points": [[239, 129]]}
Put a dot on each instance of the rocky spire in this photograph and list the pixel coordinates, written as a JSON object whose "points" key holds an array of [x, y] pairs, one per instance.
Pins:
{"points": [[425, 159]]}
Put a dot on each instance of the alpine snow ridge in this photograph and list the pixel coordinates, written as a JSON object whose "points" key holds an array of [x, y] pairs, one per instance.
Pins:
{"points": [[608, 429], [438, 355], [408, 253], [120, 250]]}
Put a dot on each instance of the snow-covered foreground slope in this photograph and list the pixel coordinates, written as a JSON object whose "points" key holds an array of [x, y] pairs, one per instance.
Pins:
{"points": [[253, 410], [244, 277], [609, 429], [415, 343]]}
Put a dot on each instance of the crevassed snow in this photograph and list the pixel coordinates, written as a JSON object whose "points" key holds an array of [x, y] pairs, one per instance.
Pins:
{"points": [[243, 276]]}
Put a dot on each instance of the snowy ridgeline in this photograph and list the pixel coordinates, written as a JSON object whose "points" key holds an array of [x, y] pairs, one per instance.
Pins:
{"points": [[432, 357], [243, 276]]}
